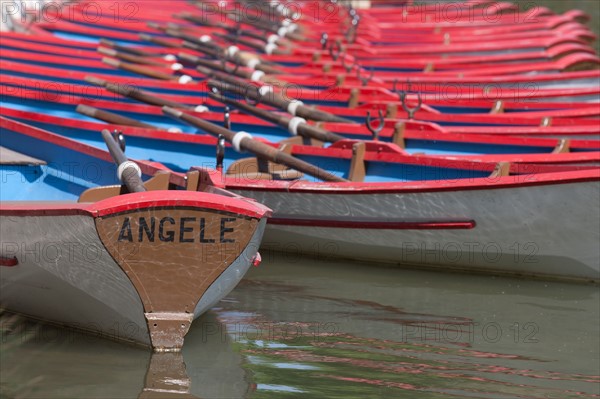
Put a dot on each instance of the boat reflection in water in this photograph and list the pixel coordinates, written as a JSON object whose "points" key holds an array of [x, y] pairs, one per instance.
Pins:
{"points": [[41, 361], [340, 330], [297, 327]]}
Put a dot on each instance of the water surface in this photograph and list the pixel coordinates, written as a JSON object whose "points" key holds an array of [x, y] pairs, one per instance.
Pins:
{"points": [[298, 327]]}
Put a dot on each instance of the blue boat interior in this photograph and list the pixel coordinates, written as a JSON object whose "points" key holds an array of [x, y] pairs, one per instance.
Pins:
{"points": [[179, 156], [61, 175], [448, 109], [268, 132]]}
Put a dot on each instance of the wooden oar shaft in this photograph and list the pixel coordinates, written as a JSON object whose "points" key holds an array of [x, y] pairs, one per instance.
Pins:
{"points": [[201, 21], [110, 117], [142, 96], [248, 43], [213, 73], [246, 58], [257, 22], [131, 50], [214, 53], [213, 49], [140, 70], [191, 39], [252, 44], [129, 174], [218, 66], [133, 58], [276, 100], [268, 24], [192, 59], [255, 147], [157, 40], [303, 129]]}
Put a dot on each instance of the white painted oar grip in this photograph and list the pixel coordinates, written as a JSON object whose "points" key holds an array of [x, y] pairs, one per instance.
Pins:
{"points": [[232, 50], [257, 76], [294, 123], [169, 57], [205, 38], [183, 79], [293, 107], [272, 39], [269, 48], [237, 140], [253, 63], [264, 90], [128, 164], [282, 31]]}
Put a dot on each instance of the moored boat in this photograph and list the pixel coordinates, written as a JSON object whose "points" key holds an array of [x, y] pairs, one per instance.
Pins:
{"points": [[80, 249], [431, 213], [440, 204]]}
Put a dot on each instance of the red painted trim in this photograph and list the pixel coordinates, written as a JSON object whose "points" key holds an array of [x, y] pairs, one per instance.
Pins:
{"points": [[137, 201], [40, 134], [376, 151], [517, 181], [533, 119], [369, 95], [51, 72], [375, 225], [148, 168], [9, 262], [34, 208], [193, 199], [94, 127]]}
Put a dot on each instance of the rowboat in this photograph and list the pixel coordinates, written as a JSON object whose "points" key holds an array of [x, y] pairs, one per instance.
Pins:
{"points": [[582, 119], [136, 263], [51, 45], [409, 210], [466, 205], [479, 147], [557, 87]]}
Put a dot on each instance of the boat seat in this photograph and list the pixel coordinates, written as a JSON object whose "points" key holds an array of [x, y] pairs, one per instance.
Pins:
{"points": [[259, 169], [10, 157], [354, 99], [501, 169], [398, 135], [358, 170], [498, 107], [563, 146], [160, 181]]}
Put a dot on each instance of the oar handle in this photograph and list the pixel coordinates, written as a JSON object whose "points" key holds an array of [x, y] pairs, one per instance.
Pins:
{"points": [[244, 142], [157, 40], [192, 39], [128, 171], [296, 108], [134, 93], [110, 117], [130, 50], [293, 125], [141, 70], [132, 58]]}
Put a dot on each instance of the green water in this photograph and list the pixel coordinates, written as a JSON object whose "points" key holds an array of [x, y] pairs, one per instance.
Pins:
{"points": [[307, 328]]}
